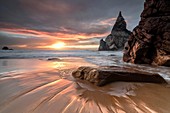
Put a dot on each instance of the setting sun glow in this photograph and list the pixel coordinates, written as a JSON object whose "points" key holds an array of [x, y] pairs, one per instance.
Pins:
{"points": [[58, 45]]}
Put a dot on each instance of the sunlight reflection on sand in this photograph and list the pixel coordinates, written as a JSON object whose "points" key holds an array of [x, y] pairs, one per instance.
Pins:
{"points": [[47, 87]]}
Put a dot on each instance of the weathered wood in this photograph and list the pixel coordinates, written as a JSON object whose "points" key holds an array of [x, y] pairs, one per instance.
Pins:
{"points": [[104, 75]]}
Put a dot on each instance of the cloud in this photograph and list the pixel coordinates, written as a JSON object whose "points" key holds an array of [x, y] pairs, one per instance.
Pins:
{"points": [[25, 38], [72, 21]]}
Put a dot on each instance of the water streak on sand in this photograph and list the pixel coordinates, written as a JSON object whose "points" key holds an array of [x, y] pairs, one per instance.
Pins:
{"points": [[50, 88], [63, 95]]}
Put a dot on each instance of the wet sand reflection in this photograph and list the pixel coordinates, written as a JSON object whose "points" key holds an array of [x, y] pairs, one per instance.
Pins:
{"points": [[55, 91]]}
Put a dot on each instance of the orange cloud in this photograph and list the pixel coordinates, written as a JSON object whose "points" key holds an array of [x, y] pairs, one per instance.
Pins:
{"points": [[104, 22], [53, 37], [108, 21]]}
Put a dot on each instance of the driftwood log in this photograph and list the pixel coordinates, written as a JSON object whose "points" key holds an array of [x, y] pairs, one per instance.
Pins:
{"points": [[105, 75]]}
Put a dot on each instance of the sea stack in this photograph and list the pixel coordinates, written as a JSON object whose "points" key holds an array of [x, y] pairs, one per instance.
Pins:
{"points": [[150, 41], [118, 36]]}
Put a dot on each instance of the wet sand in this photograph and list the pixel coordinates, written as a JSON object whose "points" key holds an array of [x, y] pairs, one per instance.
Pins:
{"points": [[42, 86]]}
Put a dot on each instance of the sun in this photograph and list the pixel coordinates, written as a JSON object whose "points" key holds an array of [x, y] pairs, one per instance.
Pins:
{"points": [[58, 45]]}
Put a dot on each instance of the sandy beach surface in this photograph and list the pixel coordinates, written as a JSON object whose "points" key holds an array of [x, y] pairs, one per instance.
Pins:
{"points": [[41, 86]]}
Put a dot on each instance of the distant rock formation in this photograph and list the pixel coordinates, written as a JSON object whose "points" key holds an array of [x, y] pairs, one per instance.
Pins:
{"points": [[53, 59], [118, 36], [150, 41], [103, 45], [6, 48]]}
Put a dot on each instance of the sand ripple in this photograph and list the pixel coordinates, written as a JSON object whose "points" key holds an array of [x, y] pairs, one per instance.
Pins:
{"points": [[48, 92]]}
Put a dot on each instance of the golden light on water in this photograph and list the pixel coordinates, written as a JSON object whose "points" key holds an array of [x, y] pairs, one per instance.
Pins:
{"points": [[58, 45]]}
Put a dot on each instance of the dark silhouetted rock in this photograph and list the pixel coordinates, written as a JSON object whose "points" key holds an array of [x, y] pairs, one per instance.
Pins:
{"points": [[103, 45], [54, 59], [6, 48], [105, 75], [150, 41], [120, 24], [118, 36]]}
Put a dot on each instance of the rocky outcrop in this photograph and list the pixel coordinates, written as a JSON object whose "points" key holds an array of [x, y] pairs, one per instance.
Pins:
{"points": [[105, 75], [53, 59], [118, 36], [6, 48], [150, 41], [103, 45]]}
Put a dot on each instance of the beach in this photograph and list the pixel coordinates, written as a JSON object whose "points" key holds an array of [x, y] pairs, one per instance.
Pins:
{"points": [[84, 56], [43, 85]]}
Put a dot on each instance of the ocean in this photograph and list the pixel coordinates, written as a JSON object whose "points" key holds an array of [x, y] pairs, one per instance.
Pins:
{"points": [[100, 58], [24, 54], [40, 81]]}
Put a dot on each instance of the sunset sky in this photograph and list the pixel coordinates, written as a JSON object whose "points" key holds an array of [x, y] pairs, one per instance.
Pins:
{"points": [[62, 24]]}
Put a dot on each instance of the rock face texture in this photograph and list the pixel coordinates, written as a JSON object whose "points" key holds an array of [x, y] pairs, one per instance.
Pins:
{"points": [[105, 75], [118, 36], [150, 41]]}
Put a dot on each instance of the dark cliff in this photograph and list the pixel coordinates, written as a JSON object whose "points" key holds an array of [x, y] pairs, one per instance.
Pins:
{"points": [[150, 41]]}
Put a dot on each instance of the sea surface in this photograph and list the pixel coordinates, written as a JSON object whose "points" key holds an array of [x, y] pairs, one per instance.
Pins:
{"points": [[24, 54], [40, 81], [96, 57], [100, 58]]}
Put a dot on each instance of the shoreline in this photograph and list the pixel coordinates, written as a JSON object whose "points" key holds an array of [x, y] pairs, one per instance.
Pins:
{"points": [[52, 89], [12, 64]]}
